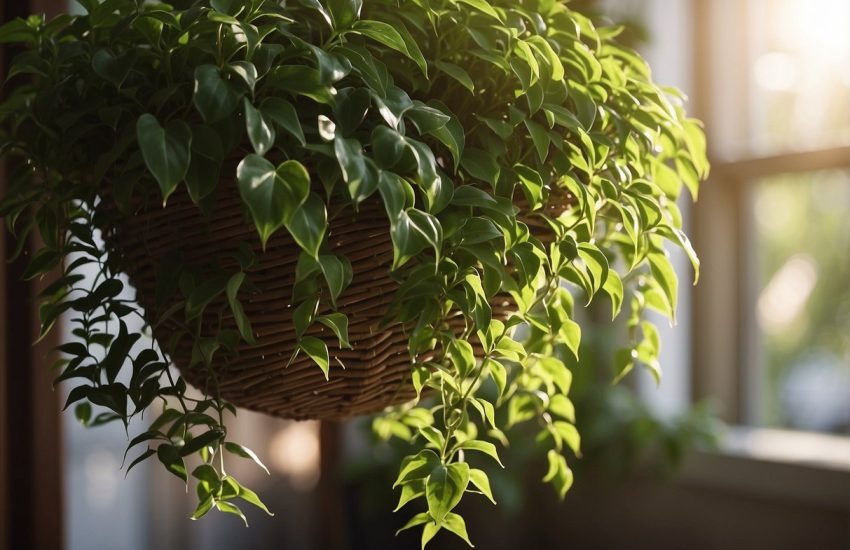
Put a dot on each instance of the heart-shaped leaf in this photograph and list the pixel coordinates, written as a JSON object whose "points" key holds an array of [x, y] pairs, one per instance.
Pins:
{"points": [[165, 150], [273, 195]]}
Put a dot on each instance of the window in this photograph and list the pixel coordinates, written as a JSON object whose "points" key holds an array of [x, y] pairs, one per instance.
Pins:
{"points": [[771, 332]]}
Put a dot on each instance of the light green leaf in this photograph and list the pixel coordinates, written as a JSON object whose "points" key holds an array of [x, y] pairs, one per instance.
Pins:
{"points": [[318, 351], [388, 36], [418, 519], [444, 488], [456, 524], [482, 447], [338, 323], [418, 466], [410, 491], [483, 7], [462, 357], [229, 508], [667, 280], [482, 482]]}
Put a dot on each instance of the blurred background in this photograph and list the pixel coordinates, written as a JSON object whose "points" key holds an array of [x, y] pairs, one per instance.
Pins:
{"points": [[762, 344]]}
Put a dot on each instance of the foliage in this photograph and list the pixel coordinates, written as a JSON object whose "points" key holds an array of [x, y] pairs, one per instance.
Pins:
{"points": [[466, 119]]}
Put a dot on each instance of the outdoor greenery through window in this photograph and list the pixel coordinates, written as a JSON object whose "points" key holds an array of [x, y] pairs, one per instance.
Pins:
{"points": [[803, 299]]}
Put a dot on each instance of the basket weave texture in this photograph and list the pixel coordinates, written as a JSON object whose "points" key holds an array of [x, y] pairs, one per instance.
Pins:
{"points": [[363, 380]]}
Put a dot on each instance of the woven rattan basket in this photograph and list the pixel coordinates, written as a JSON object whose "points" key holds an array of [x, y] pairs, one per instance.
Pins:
{"points": [[363, 380]]}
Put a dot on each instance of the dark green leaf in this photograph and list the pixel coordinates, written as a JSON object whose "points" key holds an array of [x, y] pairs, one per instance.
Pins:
{"points": [[273, 195], [165, 150], [214, 96], [309, 224]]}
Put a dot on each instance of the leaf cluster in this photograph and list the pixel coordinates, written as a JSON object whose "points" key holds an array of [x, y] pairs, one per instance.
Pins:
{"points": [[520, 153]]}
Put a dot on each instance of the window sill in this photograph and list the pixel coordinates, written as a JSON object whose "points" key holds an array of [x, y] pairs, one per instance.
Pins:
{"points": [[777, 464]]}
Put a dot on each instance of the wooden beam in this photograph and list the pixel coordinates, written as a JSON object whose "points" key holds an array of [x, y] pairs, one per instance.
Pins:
{"points": [[31, 494], [801, 161]]}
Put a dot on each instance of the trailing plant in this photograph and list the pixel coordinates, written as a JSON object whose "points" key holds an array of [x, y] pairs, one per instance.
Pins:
{"points": [[522, 157]]}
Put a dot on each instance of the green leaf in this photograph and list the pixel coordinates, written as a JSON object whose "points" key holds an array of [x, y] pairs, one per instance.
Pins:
{"points": [[540, 138], [206, 439], [388, 146], [409, 491], [318, 351], [360, 178], [203, 507], [260, 132], [481, 482], [249, 496], [418, 519], [309, 224], [481, 165], [457, 73], [444, 488], [456, 524], [344, 12], [214, 98], [665, 276], [243, 324], [229, 508], [283, 114], [614, 288], [482, 447], [559, 474], [337, 272], [396, 194], [532, 185], [570, 334], [273, 195], [434, 436], [499, 375], [83, 413], [418, 466], [388, 36], [244, 452], [169, 456], [483, 7], [338, 323], [205, 163], [426, 119], [428, 532], [462, 357], [569, 434], [563, 407], [165, 150], [413, 232]]}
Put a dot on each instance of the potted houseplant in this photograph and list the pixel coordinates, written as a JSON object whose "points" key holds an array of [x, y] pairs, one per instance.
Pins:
{"points": [[337, 207]]}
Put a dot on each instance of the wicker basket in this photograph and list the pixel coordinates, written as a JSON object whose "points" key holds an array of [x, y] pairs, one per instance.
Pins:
{"points": [[365, 379]]}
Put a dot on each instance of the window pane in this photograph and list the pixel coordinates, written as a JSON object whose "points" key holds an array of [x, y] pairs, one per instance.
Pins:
{"points": [[801, 252], [800, 74]]}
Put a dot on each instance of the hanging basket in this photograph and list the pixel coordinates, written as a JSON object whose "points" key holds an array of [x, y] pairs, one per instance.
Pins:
{"points": [[372, 375]]}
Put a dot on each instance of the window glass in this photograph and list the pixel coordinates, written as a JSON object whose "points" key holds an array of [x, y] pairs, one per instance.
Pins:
{"points": [[801, 255], [800, 74]]}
